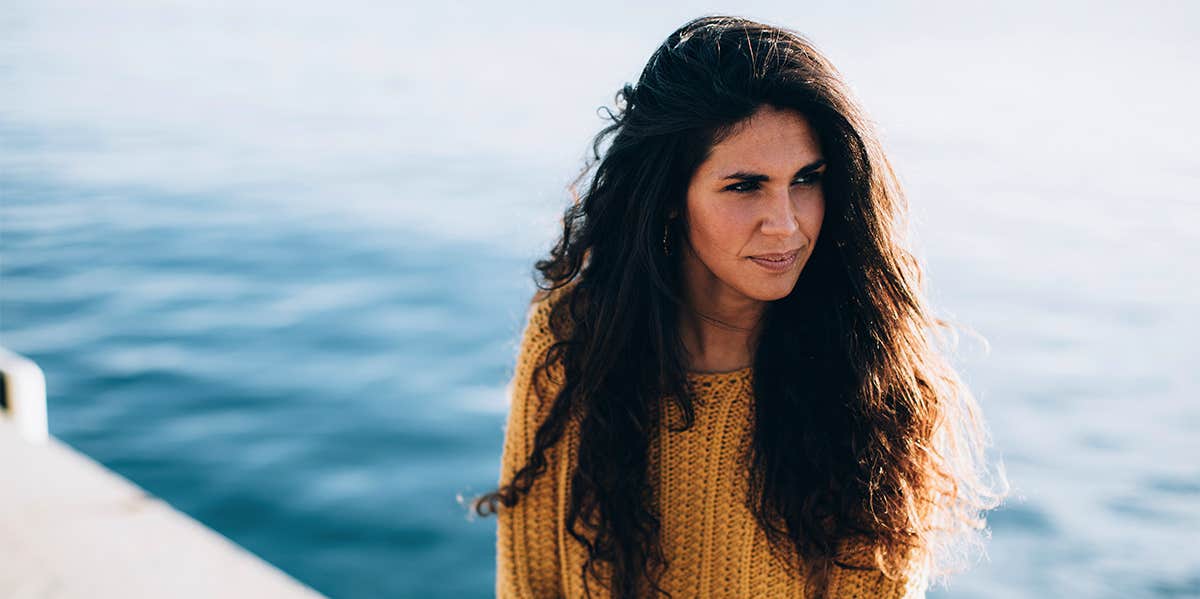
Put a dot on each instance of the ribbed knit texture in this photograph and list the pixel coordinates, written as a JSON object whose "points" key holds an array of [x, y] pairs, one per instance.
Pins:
{"points": [[712, 542]]}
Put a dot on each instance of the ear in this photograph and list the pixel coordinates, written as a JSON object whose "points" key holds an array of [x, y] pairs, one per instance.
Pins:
{"points": [[672, 214]]}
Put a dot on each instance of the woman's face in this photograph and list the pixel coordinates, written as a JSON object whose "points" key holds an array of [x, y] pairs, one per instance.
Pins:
{"points": [[757, 197]]}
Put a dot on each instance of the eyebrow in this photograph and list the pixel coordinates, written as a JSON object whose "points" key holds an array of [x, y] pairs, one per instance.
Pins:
{"points": [[748, 176]]}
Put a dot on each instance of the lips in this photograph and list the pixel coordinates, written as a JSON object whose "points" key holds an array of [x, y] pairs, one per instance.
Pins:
{"points": [[776, 262], [777, 257]]}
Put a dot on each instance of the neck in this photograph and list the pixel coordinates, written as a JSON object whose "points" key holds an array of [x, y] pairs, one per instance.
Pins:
{"points": [[719, 326]]}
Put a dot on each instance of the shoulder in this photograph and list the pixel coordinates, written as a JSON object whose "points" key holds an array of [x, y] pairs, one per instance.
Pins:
{"points": [[545, 322], [544, 304], [540, 372], [555, 294], [858, 573]]}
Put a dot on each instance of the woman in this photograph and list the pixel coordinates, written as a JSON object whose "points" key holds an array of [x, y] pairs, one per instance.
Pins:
{"points": [[729, 386]]}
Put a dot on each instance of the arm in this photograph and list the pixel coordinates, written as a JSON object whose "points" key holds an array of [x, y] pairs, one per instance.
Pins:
{"points": [[527, 555]]}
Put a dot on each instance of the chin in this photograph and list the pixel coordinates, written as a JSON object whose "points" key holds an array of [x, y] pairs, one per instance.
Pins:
{"points": [[769, 291], [770, 297]]}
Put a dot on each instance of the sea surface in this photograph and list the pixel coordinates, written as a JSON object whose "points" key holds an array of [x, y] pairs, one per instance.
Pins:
{"points": [[274, 259]]}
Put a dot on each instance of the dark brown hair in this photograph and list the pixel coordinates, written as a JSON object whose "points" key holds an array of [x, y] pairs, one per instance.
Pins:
{"points": [[864, 432]]}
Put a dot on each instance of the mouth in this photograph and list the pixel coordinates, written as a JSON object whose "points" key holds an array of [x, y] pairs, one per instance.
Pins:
{"points": [[776, 262]]}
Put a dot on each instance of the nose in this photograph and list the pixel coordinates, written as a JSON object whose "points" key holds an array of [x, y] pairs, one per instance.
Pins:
{"points": [[781, 217]]}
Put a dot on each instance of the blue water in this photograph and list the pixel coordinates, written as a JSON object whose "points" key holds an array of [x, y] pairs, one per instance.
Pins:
{"points": [[276, 275], [309, 392]]}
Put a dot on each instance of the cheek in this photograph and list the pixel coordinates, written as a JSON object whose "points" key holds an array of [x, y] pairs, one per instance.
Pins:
{"points": [[719, 231], [814, 216]]}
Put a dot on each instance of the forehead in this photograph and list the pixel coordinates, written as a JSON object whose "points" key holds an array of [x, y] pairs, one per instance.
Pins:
{"points": [[772, 140]]}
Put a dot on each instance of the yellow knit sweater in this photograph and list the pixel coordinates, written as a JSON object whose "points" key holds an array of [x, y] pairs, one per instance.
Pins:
{"points": [[711, 540]]}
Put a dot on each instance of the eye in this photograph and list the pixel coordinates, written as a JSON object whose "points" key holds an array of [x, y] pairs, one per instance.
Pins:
{"points": [[749, 186], [742, 187], [811, 178]]}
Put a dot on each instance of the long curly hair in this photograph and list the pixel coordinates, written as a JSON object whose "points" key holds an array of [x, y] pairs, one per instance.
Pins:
{"points": [[864, 432]]}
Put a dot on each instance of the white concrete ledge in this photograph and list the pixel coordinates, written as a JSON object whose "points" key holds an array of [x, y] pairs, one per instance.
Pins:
{"points": [[71, 528], [24, 395]]}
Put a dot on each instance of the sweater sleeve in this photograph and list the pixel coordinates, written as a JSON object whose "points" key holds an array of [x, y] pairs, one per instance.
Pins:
{"points": [[847, 583], [527, 552]]}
